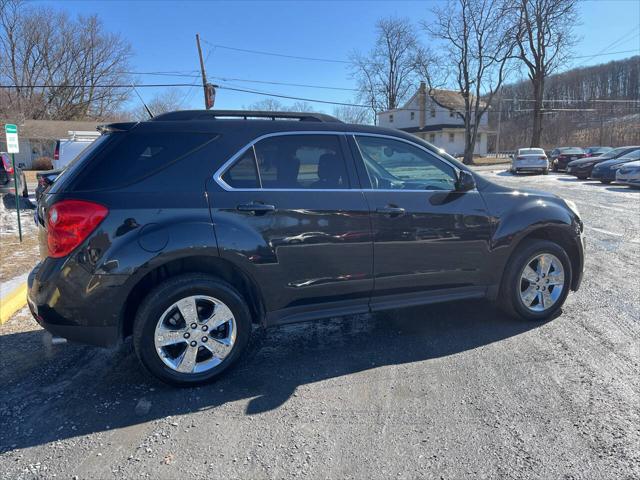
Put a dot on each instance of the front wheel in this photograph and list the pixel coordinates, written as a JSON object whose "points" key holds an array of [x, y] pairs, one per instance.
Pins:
{"points": [[536, 281], [190, 329]]}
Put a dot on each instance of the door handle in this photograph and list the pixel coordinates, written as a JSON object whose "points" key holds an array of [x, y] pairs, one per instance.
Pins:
{"points": [[391, 210], [256, 207]]}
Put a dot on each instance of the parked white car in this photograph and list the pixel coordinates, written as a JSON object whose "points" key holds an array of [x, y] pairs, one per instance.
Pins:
{"points": [[530, 160], [629, 174], [69, 148]]}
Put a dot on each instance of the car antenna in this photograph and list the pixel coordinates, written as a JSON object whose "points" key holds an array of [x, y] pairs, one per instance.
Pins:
{"points": [[140, 97]]}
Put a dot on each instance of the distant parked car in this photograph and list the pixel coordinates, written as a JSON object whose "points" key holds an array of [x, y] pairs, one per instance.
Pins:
{"points": [[629, 174], [597, 151], [582, 168], [566, 155], [44, 180], [530, 160], [606, 171], [69, 148], [7, 173]]}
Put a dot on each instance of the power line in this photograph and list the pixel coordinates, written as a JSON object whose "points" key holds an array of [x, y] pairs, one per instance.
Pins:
{"points": [[302, 99], [608, 53], [273, 54], [267, 82]]}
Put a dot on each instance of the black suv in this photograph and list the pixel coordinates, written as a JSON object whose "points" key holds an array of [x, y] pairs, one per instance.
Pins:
{"points": [[187, 230]]}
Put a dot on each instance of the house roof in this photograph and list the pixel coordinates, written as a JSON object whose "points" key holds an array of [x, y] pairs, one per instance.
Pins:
{"points": [[445, 98], [52, 129]]}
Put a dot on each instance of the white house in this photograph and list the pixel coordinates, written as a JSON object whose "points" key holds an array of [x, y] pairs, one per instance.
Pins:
{"points": [[432, 116]]}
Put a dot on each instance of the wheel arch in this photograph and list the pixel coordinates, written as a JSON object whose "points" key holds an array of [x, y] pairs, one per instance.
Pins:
{"points": [[206, 264], [562, 235]]}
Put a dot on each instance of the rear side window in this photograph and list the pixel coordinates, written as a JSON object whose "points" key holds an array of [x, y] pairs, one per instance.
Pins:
{"points": [[301, 161], [137, 155], [243, 173], [291, 162]]}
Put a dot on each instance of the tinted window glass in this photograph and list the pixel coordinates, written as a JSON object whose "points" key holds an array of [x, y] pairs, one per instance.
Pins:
{"points": [[301, 161], [243, 173], [137, 155], [392, 164]]}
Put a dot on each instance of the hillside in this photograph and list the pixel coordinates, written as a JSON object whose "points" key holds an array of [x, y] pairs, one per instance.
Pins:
{"points": [[596, 105]]}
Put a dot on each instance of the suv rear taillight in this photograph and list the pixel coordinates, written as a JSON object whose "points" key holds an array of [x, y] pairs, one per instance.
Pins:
{"points": [[56, 152], [69, 223], [8, 167]]}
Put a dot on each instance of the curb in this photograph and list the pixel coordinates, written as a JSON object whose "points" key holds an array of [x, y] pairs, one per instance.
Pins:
{"points": [[12, 302]]}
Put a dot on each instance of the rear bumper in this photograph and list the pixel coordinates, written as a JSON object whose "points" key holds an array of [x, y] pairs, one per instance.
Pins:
{"points": [[69, 302]]}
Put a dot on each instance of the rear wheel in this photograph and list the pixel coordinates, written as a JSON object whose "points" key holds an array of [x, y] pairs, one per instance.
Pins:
{"points": [[606, 182], [582, 177], [536, 280], [190, 329]]}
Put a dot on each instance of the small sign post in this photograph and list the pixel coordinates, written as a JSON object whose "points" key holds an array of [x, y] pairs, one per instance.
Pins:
{"points": [[13, 147]]}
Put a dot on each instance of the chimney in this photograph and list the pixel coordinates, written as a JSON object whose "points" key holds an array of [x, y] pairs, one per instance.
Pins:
{"points": [[422, 101]]}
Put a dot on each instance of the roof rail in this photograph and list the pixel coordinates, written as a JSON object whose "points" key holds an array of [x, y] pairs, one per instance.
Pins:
{"points": [[243, 114]]}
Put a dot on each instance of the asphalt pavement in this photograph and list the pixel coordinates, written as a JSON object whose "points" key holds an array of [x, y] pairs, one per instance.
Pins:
{"points": [[448, 391]]}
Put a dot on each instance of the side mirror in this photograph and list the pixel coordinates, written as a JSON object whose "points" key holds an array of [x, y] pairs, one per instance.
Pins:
{"points": [[465, 181]]}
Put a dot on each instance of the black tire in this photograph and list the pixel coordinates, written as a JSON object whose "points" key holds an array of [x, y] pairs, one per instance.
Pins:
{"points": [[545, 171], [606, 182], [161, 298], [581, 177], [510, 301]]}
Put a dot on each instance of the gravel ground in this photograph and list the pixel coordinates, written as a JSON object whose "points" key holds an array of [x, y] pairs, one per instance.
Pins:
{"points": [[449, 391]]}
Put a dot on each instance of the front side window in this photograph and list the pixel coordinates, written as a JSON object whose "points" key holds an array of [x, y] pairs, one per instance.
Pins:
{"points": [[396, 165], [301, 161]]}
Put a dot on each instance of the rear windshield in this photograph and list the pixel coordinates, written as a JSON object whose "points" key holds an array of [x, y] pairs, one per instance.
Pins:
{"points": [[131, 156], [531, 151], [572, 151], [75, 165]]}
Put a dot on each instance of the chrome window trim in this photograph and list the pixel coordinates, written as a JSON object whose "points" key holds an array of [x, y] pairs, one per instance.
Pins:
{"points": [[217, 176]]}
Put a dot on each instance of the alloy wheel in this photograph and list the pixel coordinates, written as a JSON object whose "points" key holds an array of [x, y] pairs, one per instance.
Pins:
{"points": [[195, 334], [541, 282]]}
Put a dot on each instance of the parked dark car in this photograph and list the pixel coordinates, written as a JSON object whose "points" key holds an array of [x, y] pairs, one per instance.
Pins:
{"points": [[582, 168], [606, 171], [597, 151], [45, 179], [7, 184], [566, 155], [186, 230]]}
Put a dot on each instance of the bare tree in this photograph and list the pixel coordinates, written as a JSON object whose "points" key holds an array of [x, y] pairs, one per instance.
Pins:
{"points": [[544, 36], [353, 114], [273, 105], [478, 50], [167, 101], [387, 74], [77, 63]]}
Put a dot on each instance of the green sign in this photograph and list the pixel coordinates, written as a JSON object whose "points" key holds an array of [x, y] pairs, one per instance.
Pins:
{"points": [[11, 132]]}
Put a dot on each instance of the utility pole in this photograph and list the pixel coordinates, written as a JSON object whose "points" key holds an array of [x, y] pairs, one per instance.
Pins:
{"points": [[207, 102]]}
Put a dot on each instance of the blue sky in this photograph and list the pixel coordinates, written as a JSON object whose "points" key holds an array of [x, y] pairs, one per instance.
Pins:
{"points": [[162, 34]]}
